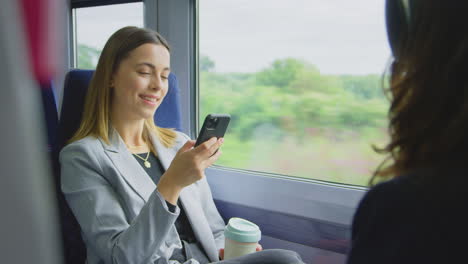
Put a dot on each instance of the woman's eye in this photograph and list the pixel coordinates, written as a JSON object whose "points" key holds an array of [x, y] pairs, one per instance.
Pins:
{"points": [[145, 73], [165, 77]]}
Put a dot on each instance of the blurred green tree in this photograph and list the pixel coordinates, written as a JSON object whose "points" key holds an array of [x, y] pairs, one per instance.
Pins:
{"points": [[293, 96], [87, 56], [365, 87], [206, 63], [281, 72]]}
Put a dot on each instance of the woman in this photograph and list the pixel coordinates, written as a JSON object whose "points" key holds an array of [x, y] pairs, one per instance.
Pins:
{"points": [[137, 190], [418, 216]]}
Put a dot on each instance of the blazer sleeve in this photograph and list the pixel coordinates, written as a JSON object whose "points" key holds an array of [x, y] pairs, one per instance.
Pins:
{"points": [[215, 220], [101, 216]]}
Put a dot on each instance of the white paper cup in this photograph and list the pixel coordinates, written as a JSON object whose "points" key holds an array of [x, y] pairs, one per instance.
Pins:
{"points": [[241, 236], [234, 249]]}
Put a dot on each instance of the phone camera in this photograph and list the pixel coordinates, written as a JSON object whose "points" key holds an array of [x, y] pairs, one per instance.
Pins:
{"points": [[212, 123]]}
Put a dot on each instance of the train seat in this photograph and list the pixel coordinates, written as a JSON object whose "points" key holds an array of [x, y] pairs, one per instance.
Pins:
{"points": [[50, 114]]}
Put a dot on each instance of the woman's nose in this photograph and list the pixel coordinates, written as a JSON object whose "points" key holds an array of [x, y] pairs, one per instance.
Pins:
{"points": [[156, 83]]}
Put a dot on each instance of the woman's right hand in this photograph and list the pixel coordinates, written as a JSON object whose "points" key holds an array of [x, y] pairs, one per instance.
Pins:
{"points": [[188, 166]]}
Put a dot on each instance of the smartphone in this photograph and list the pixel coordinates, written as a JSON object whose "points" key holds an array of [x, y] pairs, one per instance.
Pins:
{"points": [[215, 125]]}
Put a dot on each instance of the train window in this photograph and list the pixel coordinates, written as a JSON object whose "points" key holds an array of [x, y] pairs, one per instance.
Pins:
{"points": [[94, 25], [302, 81]]}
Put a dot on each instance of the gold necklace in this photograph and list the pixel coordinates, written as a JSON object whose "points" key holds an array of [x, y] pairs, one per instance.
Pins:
{"points": [[146, 162]]}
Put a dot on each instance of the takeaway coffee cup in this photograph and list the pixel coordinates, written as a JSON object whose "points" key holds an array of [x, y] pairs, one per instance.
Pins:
{"points": [[241, 236]]}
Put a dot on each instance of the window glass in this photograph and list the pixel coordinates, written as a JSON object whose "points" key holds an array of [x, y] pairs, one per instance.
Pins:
{"points": [[302, 80], [94, 26]]}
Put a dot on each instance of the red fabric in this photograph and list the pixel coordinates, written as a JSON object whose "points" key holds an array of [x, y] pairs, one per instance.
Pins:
{"points": [[40, 21]]}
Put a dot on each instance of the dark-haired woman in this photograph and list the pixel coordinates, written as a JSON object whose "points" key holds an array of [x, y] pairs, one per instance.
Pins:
{"points": [[137, 190], [419, 215]]}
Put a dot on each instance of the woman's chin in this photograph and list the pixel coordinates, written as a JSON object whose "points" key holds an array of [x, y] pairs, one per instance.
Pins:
{"points": [[146, 116]]}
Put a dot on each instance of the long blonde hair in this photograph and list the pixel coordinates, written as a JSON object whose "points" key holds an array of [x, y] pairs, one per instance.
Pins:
{"points": [[96, 115]]}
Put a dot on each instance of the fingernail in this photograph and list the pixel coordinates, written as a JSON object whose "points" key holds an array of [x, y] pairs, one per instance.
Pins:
{"points": [[221, 140]]}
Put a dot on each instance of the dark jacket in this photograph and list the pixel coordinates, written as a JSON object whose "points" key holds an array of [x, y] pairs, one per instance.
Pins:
{"points": [[416, 218]]}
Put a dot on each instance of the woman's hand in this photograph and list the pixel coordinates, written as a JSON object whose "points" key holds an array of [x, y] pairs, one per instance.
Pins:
{"points": [[221, 251], [259, 247], [188, 166]]}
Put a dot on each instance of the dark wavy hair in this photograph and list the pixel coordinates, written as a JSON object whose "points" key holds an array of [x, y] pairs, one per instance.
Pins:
{"points": [[429, 92]]}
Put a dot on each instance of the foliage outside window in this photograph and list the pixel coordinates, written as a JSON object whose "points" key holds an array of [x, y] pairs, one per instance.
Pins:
{"points": [[290, 116]]}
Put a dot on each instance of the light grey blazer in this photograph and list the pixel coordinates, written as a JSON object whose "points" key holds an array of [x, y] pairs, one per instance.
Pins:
{"points": [[123, 217]]}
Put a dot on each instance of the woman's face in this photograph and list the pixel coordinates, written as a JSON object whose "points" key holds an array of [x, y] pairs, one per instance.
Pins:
{"points": [[141, 82]]}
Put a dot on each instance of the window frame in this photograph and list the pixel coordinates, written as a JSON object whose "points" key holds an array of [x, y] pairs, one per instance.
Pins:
{"points": [[72, 29], [93, 3], [195, 128], [307, 199]]}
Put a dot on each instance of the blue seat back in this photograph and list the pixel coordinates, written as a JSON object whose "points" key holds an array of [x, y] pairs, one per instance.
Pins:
{"points": [[72, 245], [50, 114]]}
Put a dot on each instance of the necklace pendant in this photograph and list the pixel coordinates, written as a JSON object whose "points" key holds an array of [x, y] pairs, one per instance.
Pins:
{"points": [[147, 164]]}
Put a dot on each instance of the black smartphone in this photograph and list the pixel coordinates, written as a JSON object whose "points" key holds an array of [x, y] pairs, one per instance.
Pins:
{"points": [[215, 125]]}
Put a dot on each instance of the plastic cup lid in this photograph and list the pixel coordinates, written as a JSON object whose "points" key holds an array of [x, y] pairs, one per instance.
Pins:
{"points": [[241, 230]]}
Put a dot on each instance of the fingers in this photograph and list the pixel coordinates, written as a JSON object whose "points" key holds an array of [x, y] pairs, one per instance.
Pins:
{"points": [[259, 247], [187, 146], [213, 158], [216, 146], [221, 254], [208, 148]]}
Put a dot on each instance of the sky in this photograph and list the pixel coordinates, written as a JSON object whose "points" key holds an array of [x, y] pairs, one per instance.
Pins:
{"points": [[338, 36]]}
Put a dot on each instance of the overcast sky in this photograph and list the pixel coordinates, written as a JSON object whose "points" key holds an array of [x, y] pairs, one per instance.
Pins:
{"points": [[338, 36]]}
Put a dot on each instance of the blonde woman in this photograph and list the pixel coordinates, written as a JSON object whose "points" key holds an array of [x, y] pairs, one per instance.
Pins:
{"points": [[137, 190]]}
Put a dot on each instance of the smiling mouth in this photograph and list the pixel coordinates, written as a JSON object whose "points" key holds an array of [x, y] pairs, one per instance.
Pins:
{"points": [[149, 98]]}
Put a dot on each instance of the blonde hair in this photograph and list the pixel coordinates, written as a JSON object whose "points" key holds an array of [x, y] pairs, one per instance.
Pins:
{"points": [[96, 115]]}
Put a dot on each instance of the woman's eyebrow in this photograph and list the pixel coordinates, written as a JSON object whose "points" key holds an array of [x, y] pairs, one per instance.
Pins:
{"points": [[147, 64], [152, 66]]}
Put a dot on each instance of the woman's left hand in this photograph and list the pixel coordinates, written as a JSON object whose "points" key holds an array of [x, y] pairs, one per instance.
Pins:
{"points": [[221, 253], [259, 247]]}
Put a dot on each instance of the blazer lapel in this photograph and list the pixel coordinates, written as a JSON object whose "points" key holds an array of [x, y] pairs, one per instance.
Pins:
{"points": [[189, 199], [128, 167]]}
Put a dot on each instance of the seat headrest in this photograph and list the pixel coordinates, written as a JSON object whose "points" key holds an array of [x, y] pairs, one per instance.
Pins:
{"points": [[74, 93]]}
